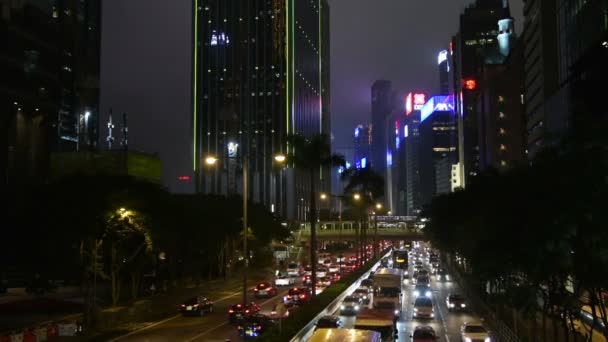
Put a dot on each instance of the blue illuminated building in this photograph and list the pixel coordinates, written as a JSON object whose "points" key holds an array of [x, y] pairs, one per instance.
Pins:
{"points": [[438, 146]]}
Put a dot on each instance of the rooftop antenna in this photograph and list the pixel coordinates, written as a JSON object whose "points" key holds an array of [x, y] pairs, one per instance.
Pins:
{"points": [[125, 133], [110, 138]]}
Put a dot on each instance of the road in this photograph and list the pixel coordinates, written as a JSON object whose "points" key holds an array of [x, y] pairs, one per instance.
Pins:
{"points": [[446, 324], [211, 327]]}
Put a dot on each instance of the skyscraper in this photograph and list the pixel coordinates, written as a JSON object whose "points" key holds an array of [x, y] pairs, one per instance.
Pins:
{"points": [[444, 72], [438, 146], [411, 141], [362, 145], [49, 89], [258, 76], [477, 29], [382, 106]]}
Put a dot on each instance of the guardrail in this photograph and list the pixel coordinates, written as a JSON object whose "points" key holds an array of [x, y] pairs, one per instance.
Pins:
{"points": [[306, 332]]}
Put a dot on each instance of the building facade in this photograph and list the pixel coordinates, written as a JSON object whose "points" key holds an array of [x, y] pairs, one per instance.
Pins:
{"points": [[477, 30], [362, 145], [382, 107], [444, 72], [438, 146], [411, 148], [49, 89], [259, 75]]}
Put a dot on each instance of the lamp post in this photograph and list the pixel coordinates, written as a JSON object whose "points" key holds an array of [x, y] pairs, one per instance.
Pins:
{"points": [[212, 161], [324, 197], [378, 207], [357, 198]]}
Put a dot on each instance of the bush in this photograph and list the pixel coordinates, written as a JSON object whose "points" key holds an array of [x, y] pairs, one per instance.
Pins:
{"points": [[294, 323]]}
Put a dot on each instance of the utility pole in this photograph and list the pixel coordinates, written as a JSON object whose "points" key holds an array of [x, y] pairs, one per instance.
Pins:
{"points": [[245, 194]]}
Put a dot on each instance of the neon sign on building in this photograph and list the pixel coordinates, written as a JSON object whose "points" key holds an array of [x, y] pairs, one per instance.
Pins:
{"points": [[419, 101], [408, 104], [443, 103]]}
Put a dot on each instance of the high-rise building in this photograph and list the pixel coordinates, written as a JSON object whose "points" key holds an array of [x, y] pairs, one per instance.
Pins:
{"points": [[500, 107], [49, 89], [259, 74], [477, 30], [444, 72], [362, 145], [411, 148], [438, 146], [382, 106]]}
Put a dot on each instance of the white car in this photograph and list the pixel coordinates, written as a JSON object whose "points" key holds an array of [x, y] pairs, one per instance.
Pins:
{"points": [[321, 272], [284, 281], [470, 332], [423, 308], [334, 268], [294, 270]]}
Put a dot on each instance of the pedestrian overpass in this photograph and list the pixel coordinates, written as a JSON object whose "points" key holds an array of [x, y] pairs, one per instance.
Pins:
{"points": [[388, 228]]}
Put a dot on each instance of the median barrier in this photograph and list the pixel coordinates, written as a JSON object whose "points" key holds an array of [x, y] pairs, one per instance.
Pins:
{"points": [[300, 325]]}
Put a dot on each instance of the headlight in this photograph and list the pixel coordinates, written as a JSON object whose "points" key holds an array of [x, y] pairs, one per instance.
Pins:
{"points": [[396, 312], [467, 339], [364, 297], [341, 307], [447, 277], [416, 293], [356, 307], [415, 309], [451, 305], [463, 305], [427, 293], [432, 315], [487, 339]]}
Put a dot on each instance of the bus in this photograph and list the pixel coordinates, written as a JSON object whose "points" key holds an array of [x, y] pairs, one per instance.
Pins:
{"points": [[400, 259], [345, 335]]}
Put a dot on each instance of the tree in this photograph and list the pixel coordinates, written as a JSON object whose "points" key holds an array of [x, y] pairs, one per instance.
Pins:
{"points": [[370, 186], [311, 155]]}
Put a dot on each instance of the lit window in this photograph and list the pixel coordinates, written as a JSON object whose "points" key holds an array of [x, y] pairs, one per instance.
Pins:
{"points": [[503, 163], [501, 115], [503, 147], [55, 12], [501, 99]]}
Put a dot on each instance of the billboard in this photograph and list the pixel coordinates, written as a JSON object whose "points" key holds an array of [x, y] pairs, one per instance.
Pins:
{"points": [[441, 103], [442, 57], [419, 100], [408, 104], [414, 101]]}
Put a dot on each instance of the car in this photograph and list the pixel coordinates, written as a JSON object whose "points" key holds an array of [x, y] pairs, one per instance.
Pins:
{"points": [[255, 325], [294, 269], [367, 282], [264, 289], [324, 281], [330, 322], [284, 281], [279, 307], [240, 312], [335, 276], [307, 271], [442, 275], [307, 280], [455, 302], [363, 293], [423, 308], [474, 332], [333, 268], [350, 305], [197, 306], [423, 280], [321, 272], [422, 290], [297, 296], [424, 334]]}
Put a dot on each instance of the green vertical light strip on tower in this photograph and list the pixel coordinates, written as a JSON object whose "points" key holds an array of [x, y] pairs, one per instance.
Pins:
{"points": [[287, 63], [195, 85], [320, 68]]}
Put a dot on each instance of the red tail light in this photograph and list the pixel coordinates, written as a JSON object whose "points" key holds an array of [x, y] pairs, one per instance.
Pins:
{"points": [[195, 305], [259, 327], [183, 305], [302, 296], [256, 290], [246, 311], [230, 311]]}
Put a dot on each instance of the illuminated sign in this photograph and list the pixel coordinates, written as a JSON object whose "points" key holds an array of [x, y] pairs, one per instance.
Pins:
{"points": [[219, 39], [363, 163], [405, 131], [408, 104], [443, 103], [183, 178], [442, 57], [400, 260], [419, 101], [470, 84], [389, 158], [232, 149], [357, 132]]}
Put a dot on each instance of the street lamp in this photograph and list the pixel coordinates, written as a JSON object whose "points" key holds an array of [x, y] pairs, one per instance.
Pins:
{"points": [[323, 196], [280, 158], [211, 160], [378, 205], [356, 197]]}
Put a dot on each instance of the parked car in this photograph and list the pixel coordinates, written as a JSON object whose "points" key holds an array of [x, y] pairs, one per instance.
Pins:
{"points": [[197, 306], [264, 289]]}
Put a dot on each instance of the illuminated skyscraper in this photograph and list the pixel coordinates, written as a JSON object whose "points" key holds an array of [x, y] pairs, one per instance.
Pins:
{"points": [[258, 76]]}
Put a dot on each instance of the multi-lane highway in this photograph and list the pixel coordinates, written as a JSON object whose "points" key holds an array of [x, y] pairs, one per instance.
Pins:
{"points": [[446, 324]]}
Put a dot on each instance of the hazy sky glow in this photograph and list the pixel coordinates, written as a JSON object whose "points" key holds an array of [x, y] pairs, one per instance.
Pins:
{"points": [[146, 48]]}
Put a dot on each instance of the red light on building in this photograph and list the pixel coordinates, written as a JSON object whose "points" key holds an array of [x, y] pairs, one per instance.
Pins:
{"points": [[408, 104], [419, 100], [183, 178], [470, 84]]}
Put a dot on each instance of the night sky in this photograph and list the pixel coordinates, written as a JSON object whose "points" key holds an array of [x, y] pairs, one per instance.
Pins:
{"points": [[146, 65]]}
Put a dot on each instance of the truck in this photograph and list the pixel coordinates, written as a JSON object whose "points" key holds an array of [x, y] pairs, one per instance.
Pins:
{"points": [[387, 288], [383, 321], [400, 259]]}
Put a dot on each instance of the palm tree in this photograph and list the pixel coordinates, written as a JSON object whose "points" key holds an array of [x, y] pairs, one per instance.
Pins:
{"points": [[370, 186], [310, 155]]}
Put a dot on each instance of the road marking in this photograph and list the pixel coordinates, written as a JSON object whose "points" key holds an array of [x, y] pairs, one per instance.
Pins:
{"points": [[221, 325], [165, 320]]}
